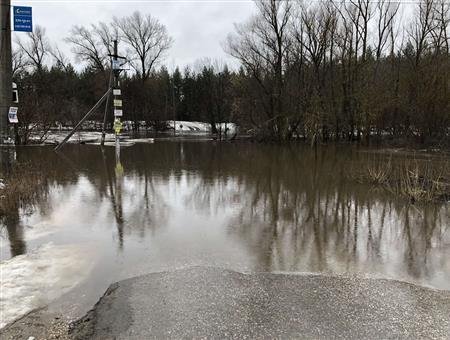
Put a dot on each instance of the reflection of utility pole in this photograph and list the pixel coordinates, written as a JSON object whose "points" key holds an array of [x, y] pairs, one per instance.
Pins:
{"points": [[115, 193], [5, 67], [118, 198], [119, 205]]}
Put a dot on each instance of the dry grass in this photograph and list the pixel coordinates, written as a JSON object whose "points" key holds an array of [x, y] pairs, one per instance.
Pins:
{"points": [[379, 173], [416, 180], [423, 182], [22, 186]]}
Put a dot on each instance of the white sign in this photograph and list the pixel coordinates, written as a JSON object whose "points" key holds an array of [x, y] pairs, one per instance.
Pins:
{"points": [[118, 113], [117, 102], [117, 92], [115, 64], [12, 115]]}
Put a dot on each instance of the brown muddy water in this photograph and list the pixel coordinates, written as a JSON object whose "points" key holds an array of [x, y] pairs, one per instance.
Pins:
{"points": [[241, 206]]}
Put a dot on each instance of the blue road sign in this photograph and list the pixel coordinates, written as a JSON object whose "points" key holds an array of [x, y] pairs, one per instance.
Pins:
{"points": [[23, 21]]}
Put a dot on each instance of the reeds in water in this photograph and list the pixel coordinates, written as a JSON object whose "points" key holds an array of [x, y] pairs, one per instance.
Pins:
{"points": [[414, 179]]}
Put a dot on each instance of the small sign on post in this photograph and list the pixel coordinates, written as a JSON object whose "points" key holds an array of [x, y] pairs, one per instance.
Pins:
{"points": [[117, 102], [12, 115], [115, 64], [118, 113], [117, 126], [23, 19]]}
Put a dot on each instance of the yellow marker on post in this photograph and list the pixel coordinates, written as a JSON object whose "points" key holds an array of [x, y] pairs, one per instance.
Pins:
{"points": [[118, 126]]}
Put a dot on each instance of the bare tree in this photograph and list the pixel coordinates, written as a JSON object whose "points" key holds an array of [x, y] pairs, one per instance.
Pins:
{"points": [[386, 11], [61, 60], [421, 28], [262, 45], [92, 45], [440, 34], [313, 31], [18, 61], [147, 40], [35, 48], [106, 34], [365, 12]]}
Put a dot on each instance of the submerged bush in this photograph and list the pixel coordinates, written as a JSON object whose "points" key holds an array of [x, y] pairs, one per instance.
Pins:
{"points": [[20, 187], [418, 180]]}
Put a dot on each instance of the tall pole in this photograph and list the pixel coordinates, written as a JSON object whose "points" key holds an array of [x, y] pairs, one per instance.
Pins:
{"points": [[5, 68], [116, 85], [105, 115], [113, 84]]}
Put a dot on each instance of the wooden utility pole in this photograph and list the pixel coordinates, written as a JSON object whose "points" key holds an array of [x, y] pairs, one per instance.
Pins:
{"points": [[117, 121], [5, 68], [115, 71]]}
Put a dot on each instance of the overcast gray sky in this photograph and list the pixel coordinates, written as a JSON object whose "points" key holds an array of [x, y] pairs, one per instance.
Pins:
{"points": [[198, 27]]}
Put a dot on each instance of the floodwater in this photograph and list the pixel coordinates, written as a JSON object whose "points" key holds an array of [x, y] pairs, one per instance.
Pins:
{"points": [[242, 206]]}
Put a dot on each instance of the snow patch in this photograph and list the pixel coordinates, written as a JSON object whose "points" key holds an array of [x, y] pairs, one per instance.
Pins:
{"points": [[201, 127], [34, 279]]}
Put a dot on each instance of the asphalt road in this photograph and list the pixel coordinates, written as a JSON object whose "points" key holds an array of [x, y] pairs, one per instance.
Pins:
{"points": [[213, 303]]}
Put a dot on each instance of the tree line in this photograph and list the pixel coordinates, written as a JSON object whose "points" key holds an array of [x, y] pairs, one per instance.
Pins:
{"points": [[326, 70]]}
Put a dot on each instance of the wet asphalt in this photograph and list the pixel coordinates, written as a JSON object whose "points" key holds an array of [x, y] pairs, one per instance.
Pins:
{"points": [[213, 303]]}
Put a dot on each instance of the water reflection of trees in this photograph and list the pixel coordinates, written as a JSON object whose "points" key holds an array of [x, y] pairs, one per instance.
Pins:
{"points": [[25, 186], [295, 208], [300, 211], [98, 168]]}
